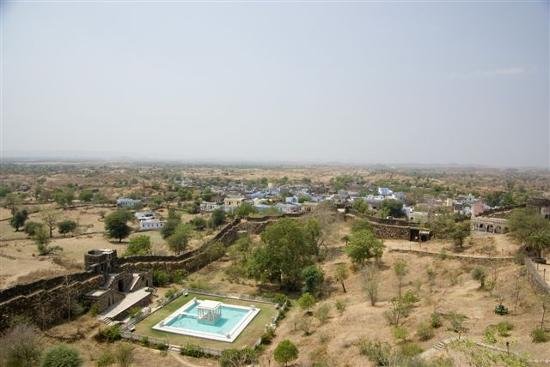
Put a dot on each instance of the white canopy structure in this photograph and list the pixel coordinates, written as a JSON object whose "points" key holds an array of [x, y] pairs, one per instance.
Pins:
{"points": [[209, 311]]}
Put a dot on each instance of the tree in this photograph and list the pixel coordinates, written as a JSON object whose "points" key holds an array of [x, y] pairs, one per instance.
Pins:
{"points": [[306, 301], [86, 196], [285, 352], [66, 226], [364, 245], [115, 224], [198, 223], [400, 269], [31, 227], [20, 346], [282, 255], [62, 356], [18, 219], [372, 282], [244, 210], [42, 239], [50, 217], [179, 239], [139, 245], [63, 197], [342, 274], [237, 357], [480, 274], [218, 217], [393, 207], [174, 220], [530, 228], [313, 278], [312, 235], [360, 206], [360, 224]]}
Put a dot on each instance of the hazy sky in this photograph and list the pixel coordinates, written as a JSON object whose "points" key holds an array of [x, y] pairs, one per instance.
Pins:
{"points": [[318, 82]]}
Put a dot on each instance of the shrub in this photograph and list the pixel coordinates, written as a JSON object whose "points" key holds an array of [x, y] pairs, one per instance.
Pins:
{"points": [[435, 320], [170, 293], [539, 335], [376, 351], [322, 313], [340, 306], [306, 301], [411, 349], [504, 328], [61, 356], [145, 341], [139, 245], [94, 310], [479, 274], [163, 346], [400, 333], [32, 227], [237, 357], [280, 298], [106, 358], [178, 276], [304, 324], [160, 278], [500, 309], [410, 297], [489, 335], [192, 350], [20, 346], [109, 334], [267, 336], [457, 322], [285, 352], [124, 355], [425, 331], [67, 226]]}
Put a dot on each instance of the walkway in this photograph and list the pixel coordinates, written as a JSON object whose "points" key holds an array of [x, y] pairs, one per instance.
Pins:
{"points": [[129, 301]]}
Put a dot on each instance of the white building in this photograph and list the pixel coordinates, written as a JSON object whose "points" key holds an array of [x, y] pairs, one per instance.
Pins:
{"points": [[127, 202], [231, 203], [150, 224], [209, 206]]}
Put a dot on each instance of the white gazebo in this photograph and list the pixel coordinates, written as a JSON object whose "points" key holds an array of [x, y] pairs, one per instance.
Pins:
{"points": [[209, 311]]}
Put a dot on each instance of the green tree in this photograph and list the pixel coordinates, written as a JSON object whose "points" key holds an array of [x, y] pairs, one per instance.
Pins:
{"points": [[63, 197], [360, 225], [459, 233], [360, 206], [62, 356], [139, 245], [531, 229], [237, 357], [174, 220], [31, 227], [116, 224], [18, 219], [306, 301], [198, 223], [393, 207], [180, 238], [285, 352], [50, 217], [218, 217], [282, 255], [480, 274], [86, 196], [244, 210], [66, 226], [313, 278], [364, 245]]}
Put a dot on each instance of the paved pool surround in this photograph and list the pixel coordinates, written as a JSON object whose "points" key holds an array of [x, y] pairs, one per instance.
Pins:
{"points": [[185, 321]]}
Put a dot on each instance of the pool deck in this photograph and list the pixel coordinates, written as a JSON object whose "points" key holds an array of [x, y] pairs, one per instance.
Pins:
{"points": [[248, 337]]}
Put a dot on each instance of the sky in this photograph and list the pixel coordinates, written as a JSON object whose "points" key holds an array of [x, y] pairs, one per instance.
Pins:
{"points": [[297, 82]]}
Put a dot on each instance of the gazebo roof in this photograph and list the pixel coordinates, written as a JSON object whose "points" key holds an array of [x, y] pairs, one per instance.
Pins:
{"points": [[208, 304]]}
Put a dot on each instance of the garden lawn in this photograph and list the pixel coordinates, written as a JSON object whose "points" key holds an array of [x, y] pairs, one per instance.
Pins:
{"points": [[248, 336]]}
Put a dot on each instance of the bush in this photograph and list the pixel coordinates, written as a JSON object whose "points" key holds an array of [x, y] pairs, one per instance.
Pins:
{"points": [[109, 334], [67, 226], [376, 351], [162, 346], [340, 306], [105, 359], [237, 357], [280, 299], [285, 352], [267, 336], [160, 278], [322, 313], [539, 335], [32, 227], [435, 320], [501, 310], [192, 350], [425, 331], [489, 335], [504, 328], [145, 341], [400, 333], [411, 349], [20, 346], [170, 293], [124, 355], [61, 356], [479, 273], [410, 297]]}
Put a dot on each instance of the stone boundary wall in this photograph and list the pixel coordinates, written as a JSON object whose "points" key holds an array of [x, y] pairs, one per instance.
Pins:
{"points": [[49, 294], [469, 258], [388, 228], [539, 284]]}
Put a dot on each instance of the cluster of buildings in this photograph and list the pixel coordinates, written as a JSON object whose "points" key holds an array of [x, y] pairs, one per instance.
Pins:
{"points": [[148, 221]]}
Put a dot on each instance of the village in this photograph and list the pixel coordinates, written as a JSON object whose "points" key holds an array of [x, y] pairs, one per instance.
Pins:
{"points": [[174, 263]]}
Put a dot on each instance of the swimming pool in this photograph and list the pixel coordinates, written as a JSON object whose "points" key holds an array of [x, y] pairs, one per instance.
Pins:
{"points": [[209, 319]]}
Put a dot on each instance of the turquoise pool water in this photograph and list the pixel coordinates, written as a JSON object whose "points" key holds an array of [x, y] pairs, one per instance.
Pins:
{"points": [[230, 317]]}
